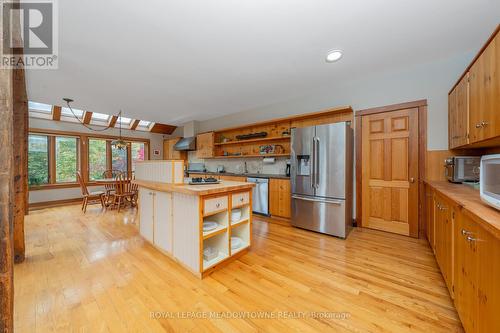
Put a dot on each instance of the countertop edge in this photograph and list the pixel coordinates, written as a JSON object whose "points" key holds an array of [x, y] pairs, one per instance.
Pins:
{"points": [[483, 215], [249, 175], [199, 190]]}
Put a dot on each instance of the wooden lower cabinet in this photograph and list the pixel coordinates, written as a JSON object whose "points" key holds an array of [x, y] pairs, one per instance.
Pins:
{"points": [[444, 212], [233, 178], [280, 196], [429, 216], [469, 258]]}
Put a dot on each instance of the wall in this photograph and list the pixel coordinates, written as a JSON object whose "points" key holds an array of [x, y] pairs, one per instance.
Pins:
{"points": [[430, 81], [156, 142]]}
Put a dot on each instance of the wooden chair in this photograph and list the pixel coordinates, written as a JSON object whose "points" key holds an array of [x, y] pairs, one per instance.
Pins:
{"points": [[89, 196], [110, 188], [125, 191]]}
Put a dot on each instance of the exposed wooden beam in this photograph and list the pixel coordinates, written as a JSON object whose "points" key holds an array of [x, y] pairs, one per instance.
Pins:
{"points": [[87, 117], [162, 128], [112, 121], [134, 123], [56, 112]]}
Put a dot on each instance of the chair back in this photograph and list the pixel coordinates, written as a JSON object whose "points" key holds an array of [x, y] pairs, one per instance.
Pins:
{"points": [[110, 174], [83, 187], [123, 184]]}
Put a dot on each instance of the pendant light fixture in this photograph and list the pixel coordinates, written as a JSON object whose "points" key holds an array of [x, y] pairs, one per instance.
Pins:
{"points": [[119, 143]]}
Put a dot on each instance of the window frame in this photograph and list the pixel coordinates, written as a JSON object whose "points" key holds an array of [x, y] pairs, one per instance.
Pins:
{"points": [[82, 155]]}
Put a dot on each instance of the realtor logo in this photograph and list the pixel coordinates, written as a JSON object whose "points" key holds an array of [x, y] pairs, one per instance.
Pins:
{"points": [[29, 35]]}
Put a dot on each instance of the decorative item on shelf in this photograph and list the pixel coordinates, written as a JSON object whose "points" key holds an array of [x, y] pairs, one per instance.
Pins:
{"points": [[210, 253], [251, 136], [236, 242], [225, 139], [235, 215], [279, 149], [285, 133], [267, 149]]}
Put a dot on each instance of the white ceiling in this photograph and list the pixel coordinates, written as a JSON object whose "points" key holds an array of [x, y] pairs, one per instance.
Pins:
{"points": [[176, 61]]}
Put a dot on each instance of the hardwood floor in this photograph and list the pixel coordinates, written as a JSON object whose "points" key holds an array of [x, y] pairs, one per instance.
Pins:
{"points": [[93, 273]]}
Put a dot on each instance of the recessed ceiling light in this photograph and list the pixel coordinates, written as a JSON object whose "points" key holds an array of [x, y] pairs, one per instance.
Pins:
{"points": [[333, 55]]}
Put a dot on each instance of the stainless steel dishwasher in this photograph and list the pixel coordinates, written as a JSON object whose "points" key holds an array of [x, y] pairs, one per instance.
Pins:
{"points": [[260, 195]]}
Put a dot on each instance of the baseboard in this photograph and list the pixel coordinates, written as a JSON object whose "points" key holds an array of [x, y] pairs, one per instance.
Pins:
{"points": [[54, 203]]}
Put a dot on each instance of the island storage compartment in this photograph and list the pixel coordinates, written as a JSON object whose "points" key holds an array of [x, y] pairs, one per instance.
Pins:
{"points": [[240, 237], [221, 219], [240, 215], [214, 205], [218, 244]]}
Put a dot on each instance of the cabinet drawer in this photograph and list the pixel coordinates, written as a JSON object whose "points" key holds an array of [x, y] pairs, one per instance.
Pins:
{"points": [[214, 205], [242, 198]]}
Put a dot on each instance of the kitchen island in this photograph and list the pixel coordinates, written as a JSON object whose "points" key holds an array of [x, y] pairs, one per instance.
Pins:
{"points": [[172, 218]]}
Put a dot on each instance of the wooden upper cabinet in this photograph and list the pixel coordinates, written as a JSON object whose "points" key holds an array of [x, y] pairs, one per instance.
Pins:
{"points": [[484, 95], [458, 115], [169, 153], [280, 196], [205, 145]]}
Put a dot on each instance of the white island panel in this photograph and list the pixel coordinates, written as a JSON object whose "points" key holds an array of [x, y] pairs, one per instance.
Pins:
{"points": [[186, 236]]}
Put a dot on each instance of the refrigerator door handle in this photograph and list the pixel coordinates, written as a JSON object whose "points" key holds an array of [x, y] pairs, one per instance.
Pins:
{"points": [[330, 201], [313, 165], [316, 163]]}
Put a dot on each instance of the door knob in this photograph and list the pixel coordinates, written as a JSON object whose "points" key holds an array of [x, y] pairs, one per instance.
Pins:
{"points": [[412, 180]]}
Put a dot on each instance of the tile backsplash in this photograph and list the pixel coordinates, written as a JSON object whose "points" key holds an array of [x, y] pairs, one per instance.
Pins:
{"points": [[236, 165]]}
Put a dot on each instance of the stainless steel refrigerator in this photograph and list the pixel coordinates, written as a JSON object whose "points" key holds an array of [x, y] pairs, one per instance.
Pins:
{"points": [[321, 175]]}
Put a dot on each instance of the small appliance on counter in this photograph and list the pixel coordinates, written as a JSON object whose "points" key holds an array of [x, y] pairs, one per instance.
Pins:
{"points": [[459, 169], [489, 184], [221, 169], [287, 171]]}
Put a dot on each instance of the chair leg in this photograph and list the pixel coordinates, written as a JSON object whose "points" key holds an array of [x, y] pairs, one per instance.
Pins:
{"points": [[102, 201], [119, 203], [85, 204]]}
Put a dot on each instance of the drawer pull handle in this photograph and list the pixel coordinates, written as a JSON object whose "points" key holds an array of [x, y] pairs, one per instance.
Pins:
{"points": [[241, 199], [217, 205], [470, 239], [465, 232], [478, 125]]}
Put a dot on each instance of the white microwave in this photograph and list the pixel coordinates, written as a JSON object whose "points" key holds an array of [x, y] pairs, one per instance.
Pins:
{"points": [[489, 182]]}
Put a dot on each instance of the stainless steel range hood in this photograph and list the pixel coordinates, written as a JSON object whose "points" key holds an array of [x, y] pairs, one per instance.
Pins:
{"points": [[185, 144]]}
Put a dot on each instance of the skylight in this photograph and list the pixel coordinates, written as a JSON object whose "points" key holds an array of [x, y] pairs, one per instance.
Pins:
{"points": [[124, 120], [67, 112], [144, 123], [100, 117], [39, 107]]}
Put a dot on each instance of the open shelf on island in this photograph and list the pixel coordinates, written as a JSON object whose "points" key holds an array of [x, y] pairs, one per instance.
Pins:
{"points": [[242, 231], [245, 213], [221, 219], [220, 244]]}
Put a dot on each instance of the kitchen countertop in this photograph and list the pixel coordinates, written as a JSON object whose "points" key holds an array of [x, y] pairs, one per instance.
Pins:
{"points": [[223, 186], [261, 175], [469, 199]]}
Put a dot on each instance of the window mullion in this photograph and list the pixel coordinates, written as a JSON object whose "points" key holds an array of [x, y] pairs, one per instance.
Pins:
{"points": [[52, 159]]}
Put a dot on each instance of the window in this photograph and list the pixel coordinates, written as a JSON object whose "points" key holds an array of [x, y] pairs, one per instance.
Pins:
{"points": [[38, 159], [97, 158], [119, 159], [66, 158], [138, 151]]}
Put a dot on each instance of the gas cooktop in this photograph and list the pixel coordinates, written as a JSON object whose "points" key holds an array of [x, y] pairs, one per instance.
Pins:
{"points": [[203, 181]]}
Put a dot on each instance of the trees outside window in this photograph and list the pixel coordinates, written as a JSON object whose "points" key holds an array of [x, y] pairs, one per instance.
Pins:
{"points": [[66, 159], [119, 159], [38, 159], [138, 150], [97, 158]]}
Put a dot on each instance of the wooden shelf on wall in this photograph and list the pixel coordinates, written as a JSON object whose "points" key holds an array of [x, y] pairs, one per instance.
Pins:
{"points": [[253, 155], [278, 138]]}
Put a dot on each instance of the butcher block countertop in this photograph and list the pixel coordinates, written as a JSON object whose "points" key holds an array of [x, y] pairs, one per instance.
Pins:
{"points": [[223, 186], [468, 198]]}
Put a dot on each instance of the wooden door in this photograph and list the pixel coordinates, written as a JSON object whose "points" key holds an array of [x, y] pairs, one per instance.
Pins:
{"points": [[390, 171], [484, 83], [280, 197], [458, 106], [465, 267]]}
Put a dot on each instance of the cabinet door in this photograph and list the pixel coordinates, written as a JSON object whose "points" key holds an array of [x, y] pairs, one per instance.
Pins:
{"points": [[465, 267], [146, 213], [488, 285], [233, 178], [205, 145], [280, 197], [444, 240], [458, 106], [429, 212], [484, 85], [163, 220]]}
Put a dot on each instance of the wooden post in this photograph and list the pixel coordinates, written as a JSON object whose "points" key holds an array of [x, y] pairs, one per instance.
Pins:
{"points": [[20, 160], [6, 202]]}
